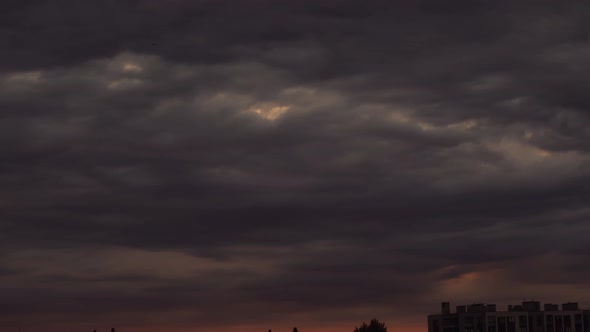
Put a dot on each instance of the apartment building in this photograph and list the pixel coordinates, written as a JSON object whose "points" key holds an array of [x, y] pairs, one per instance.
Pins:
{"points": [[525, 317]]}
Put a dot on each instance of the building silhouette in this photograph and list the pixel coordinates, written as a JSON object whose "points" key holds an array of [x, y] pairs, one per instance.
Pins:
{"points": [[525, 317]]}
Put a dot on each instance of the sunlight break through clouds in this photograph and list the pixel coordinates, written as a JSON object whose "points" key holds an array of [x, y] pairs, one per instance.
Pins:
{"points": [[270, 112]]}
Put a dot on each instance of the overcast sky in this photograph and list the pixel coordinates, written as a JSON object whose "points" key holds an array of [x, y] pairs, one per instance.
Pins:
{"points": [[245, 165]]}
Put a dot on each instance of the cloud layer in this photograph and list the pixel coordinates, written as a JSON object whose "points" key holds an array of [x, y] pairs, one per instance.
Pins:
{"points": [[176, 165]]}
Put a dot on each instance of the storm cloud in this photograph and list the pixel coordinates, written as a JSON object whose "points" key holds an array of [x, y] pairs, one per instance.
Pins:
{"points": [[181, 165]]}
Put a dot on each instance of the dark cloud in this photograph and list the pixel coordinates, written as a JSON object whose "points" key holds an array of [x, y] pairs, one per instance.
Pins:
{"points": [[163, 163]]}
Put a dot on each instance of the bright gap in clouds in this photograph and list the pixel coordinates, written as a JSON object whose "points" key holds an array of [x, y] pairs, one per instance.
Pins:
{"points": [[270, 112]]}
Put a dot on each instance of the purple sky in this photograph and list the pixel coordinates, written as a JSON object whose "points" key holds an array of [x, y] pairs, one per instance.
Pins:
{"points": [[246, 165]]}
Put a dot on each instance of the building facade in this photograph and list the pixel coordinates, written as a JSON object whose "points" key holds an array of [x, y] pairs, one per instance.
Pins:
{"points": [[525, 317]]}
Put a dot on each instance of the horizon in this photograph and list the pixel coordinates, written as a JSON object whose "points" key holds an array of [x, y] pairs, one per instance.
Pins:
{"points": [[178, 165], [341, 327]]}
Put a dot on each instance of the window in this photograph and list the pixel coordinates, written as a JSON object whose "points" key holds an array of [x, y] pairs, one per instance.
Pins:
{"points": [[559, 323], [511, 325], [579, 323], [436, 325]]}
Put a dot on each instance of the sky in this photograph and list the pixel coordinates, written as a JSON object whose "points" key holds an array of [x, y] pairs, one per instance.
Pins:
{"points": [[250, 165]]}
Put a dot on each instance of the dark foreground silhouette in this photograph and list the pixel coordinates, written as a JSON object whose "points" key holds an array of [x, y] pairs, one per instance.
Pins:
{"points": [[373, 326]]}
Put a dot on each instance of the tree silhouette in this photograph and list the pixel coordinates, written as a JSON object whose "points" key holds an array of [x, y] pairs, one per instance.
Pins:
{"points": [[373, 326], [295, 329]]}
